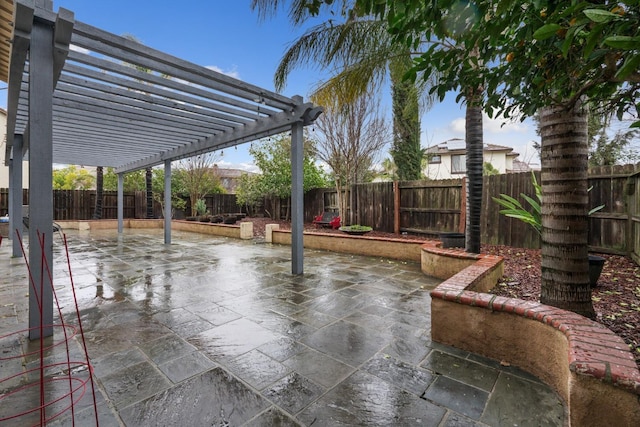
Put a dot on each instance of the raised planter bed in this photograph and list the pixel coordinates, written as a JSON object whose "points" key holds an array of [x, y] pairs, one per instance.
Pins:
{"points": [[589, 366]]}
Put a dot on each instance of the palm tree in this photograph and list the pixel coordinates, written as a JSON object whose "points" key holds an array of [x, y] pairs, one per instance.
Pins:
{"points": [[97, 211], [149, 191], [474, 146], [363, 55]]}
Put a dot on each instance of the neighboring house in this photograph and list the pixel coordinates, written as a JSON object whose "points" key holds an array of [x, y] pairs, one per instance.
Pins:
{"points": [[448, 159], [4, 170], [230, 178]]}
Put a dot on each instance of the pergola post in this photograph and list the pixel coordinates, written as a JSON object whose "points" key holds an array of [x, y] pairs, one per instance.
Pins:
{"points": [[297, 198], [40, 180], [120, 203], [15, 196], [167, 201]]}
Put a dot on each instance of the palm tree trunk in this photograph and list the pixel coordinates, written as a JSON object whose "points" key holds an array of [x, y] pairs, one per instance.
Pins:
{"points": [[474, 146], [565, 251], [149, 181], [97, 211]]}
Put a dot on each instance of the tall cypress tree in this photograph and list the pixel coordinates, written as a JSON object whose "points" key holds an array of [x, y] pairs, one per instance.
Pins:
{"points": [[407, 153]]}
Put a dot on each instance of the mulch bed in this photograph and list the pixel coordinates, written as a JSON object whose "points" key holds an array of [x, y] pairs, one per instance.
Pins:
{"points": [[616, 299]]}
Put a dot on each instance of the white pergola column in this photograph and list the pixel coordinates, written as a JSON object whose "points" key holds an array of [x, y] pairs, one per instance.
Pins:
{"points": [[15, 196], [120, 203], [167, 201], [40, 180], [297, 198]]}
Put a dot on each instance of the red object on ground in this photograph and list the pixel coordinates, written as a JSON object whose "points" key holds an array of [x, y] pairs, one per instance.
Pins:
{"points": [[335, 222]]}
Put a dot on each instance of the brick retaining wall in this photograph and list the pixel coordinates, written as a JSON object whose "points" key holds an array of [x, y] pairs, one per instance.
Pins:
{"points": [[588, 365]]}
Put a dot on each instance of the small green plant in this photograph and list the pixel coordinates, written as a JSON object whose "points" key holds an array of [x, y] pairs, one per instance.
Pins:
{"points": [[201, 207], [355, 229], [515, 209]]}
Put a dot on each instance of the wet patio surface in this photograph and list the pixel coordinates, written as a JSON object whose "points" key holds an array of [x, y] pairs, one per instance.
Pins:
{"points": [[216, 331]]}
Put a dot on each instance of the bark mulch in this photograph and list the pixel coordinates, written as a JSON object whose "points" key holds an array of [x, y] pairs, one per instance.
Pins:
{"points": [[616, 299]]}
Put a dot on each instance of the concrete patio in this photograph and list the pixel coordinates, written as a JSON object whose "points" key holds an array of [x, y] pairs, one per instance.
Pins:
{"points": [[216, 331]]}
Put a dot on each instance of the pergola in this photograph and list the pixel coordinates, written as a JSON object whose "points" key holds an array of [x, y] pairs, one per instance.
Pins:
{"points": [[81, 95]]}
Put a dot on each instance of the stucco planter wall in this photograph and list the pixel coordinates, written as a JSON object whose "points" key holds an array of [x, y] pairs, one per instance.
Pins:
{"points": [[242, 231], [403, 249], [589, 366]]}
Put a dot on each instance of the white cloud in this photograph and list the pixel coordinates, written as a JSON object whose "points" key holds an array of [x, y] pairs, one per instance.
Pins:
{"points": [[495, 125], [457, 126], [502, 125], [231, 73]]}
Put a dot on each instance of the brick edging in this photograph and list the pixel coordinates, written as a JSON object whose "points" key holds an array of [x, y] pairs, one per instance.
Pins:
{"points": [[593, 349]]}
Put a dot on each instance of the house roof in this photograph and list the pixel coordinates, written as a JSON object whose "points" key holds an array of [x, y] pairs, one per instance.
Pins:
{"points": [[519, 166], [458, 146], [119, 103], [231, 173]]}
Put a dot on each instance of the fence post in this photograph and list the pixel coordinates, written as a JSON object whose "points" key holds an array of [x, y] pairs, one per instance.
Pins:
{"points": [[396, 207], [463, 206]]}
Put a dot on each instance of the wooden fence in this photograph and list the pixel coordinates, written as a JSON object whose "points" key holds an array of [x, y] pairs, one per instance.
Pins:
{"points": [[632, 189], [432, 207], [79, 204], [427, 207]]}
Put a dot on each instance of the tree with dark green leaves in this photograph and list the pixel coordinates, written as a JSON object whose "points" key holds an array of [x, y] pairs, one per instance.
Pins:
{"points": [[273, 157], [178, 192], [72, 178], [555, 58], [406, 151], [133, 181]]}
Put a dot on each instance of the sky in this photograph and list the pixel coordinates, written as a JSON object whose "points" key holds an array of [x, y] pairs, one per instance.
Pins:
{"points": [[227, 36]]}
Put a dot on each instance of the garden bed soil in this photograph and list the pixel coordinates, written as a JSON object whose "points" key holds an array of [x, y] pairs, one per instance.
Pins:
{"points": [[616, 299]]}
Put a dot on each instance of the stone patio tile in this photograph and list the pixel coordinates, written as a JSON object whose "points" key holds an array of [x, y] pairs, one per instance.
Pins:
{"points": [[464, 370], [282, 348], [232, 339], [293, 392], [166, 348], [257, 369], [312, 317], [363, 399], [186, 366], [518, 401], [117, 361], [134, 383], [272, 417], [411, 351], [462, 398], [319, 367], [213, 398], [399, 373], [214, 313], [454, 419], [193, 327], [335, 305], [347, 342]]}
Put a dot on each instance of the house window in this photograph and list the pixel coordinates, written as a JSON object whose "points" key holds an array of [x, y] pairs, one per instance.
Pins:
{"points": [[459, 163], [435, 159]]}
